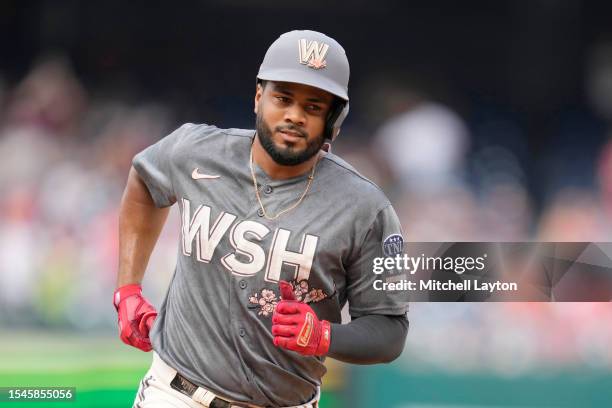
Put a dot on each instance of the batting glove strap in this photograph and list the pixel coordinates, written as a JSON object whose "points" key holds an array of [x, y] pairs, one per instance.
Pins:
{"points": [[325, 339], [125, 292]]}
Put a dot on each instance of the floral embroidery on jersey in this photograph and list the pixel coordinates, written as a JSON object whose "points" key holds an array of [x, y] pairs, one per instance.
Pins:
{"points": [[305, 294], [267, 299]]}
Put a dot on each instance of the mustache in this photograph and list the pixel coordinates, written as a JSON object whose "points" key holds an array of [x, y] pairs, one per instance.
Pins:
{"points": [[292, 128]]}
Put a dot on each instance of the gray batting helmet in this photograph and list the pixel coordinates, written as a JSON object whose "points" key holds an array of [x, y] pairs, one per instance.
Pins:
{"points": [[311, 58]]}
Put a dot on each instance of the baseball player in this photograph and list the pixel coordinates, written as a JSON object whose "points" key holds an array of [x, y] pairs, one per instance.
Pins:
{"points": [[277, 235]]}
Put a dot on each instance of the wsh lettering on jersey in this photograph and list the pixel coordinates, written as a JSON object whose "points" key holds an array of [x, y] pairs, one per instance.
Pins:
{"points": [[196, 225]]}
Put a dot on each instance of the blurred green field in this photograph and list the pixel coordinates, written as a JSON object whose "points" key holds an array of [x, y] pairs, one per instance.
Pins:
{"points": [[401, 386], [105, 372]]}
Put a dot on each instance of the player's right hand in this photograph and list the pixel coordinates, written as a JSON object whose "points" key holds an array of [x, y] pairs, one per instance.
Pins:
{"points": [[296, 327], [135, 316]]}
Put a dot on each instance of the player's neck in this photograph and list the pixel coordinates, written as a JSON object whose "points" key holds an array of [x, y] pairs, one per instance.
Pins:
{"points": [[279, 171]]}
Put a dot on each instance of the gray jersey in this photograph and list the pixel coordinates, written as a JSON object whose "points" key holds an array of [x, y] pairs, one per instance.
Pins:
{"points": [[214, 325]]}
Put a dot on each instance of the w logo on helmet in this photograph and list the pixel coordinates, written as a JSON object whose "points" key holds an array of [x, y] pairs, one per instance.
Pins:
{"points": [[313, 54]]}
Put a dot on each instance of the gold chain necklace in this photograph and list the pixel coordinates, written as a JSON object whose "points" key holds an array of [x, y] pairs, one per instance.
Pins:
{"points": [[263, 210]]}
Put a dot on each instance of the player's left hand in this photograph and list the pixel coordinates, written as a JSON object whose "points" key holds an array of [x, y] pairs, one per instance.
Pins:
{"points": [[296, 327]]}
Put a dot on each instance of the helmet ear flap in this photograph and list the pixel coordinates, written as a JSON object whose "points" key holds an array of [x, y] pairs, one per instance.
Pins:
{"points": [[336, 116]]}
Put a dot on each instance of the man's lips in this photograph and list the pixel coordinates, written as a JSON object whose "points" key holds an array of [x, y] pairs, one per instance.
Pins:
{"points": [[291, 135]]}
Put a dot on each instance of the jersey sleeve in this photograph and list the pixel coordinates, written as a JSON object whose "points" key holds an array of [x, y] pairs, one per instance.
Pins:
{"points": [[155, 168], [383, 239]]}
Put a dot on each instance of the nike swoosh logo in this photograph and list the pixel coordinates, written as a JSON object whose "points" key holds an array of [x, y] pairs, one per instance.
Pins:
{"points": [[199, 176]]}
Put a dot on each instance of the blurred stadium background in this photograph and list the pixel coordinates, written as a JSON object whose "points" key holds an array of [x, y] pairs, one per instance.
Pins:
{"points": [[483, 121]]}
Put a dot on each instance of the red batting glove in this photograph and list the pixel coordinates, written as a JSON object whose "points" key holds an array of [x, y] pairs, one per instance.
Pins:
{"points": [[295, 325], [136, 316]]}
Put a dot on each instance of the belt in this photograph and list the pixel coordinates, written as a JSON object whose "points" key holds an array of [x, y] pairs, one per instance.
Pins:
{"points": [[203, 396]]}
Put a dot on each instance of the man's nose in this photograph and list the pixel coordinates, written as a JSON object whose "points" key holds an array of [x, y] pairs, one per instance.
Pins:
{"points": [[295, 114]]}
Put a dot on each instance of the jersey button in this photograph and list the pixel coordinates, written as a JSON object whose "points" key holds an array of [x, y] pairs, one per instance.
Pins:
{"points": [[241, 332], [242, 284], [260, 212], [268, 189]]}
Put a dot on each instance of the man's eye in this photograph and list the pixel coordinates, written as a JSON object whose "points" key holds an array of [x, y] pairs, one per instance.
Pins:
{"points": [[283, 99], [314, 108]]}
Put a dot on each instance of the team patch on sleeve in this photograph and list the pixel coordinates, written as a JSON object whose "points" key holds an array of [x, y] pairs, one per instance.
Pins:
{"points": [[393, 245]]}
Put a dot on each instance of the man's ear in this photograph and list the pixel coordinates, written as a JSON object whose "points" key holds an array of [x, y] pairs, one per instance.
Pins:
{"points": [[258, 94]]}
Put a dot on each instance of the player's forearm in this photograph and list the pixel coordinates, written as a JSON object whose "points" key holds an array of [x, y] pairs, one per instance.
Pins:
{"points": [[369, 339], [140, 223]]}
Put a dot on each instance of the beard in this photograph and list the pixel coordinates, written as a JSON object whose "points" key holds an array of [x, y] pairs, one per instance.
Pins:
{"points": [[289, 155]]}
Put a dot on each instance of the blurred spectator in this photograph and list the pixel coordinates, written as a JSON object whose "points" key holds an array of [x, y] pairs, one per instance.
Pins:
{"points": [[599, 79], [50, 97], [574, 215], [424, 147]]}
